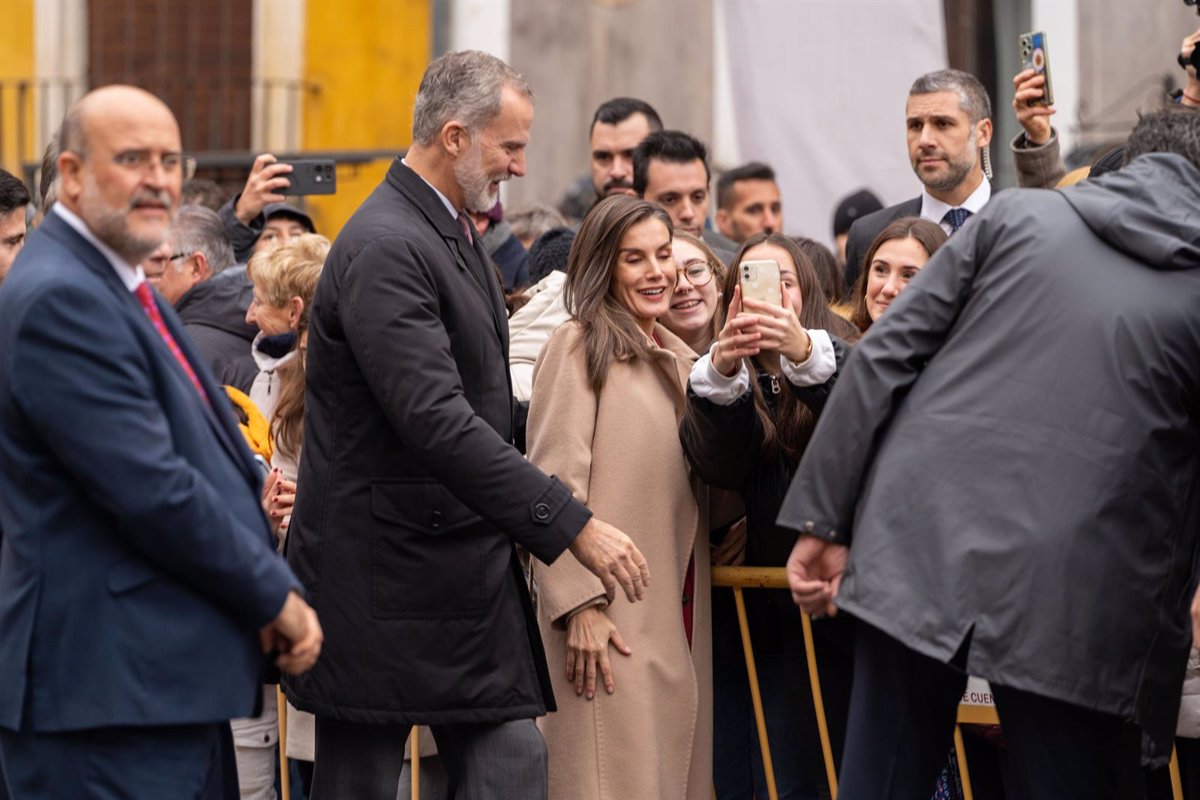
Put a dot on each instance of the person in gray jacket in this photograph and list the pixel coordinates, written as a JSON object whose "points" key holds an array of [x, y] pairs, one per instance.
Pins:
{"points": [[1005, 482]]}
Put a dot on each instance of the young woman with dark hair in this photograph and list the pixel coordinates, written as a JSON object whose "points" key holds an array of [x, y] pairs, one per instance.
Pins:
{"points": [[745, 430]]}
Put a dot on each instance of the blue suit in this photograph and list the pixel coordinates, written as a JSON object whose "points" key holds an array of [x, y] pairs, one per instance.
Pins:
{"points": [[136, 564]]}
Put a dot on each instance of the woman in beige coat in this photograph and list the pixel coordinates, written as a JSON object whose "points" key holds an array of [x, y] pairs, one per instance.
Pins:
{"points": [[632, 681]]}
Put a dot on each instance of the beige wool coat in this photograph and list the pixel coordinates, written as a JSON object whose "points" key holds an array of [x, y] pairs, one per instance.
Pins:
{"points": [[620, 454]]}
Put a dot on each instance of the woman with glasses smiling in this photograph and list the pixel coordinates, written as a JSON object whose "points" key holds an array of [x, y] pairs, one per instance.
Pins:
{"points": [[700, 278]]}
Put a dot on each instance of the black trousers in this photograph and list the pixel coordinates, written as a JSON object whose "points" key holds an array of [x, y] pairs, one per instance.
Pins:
{"points": [[494, 761], [902, 711], [190, 762]]}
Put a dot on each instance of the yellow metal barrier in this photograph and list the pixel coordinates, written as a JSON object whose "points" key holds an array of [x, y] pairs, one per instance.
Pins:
{"points": [[741, 578], [738, 579]]}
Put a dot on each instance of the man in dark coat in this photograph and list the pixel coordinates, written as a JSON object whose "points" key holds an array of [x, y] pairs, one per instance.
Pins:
{"points": [[413, 493], [1012, 457]]}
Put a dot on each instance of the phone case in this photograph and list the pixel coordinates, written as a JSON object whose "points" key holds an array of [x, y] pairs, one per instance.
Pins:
{"points": [[1036, 56], [312, 176], [760, 281]]}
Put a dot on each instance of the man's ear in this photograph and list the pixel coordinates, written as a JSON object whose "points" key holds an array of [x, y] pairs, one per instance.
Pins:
{"points": [[454, 138], [200, 267], [70, 174], [983, 132], [723, 223]]}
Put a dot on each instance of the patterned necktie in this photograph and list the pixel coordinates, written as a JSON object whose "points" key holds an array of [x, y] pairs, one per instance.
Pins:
{"points": [[955, 218], [146, 298], [465, 224]]}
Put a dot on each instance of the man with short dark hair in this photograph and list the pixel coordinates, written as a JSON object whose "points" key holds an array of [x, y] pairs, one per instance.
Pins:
{"points": [[14, 198], [618, 126], [748, 202], [671, 168], [949, 127], [415, 493], [1050, 547]]}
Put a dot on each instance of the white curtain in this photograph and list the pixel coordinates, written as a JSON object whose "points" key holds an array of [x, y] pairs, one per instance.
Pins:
{"points": [[818, 90]]}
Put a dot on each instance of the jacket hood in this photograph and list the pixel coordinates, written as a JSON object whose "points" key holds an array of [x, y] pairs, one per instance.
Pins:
{"points": [[1149, 210], [220, 302]]}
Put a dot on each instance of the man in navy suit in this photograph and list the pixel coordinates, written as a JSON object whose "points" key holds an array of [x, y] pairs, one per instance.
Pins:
{"points": [[138, 582], [948, 120]]}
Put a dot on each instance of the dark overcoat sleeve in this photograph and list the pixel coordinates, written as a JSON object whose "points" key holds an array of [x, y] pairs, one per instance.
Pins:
{"points": [[884, 365], [85, 386], [389, 307], [721, 442]]}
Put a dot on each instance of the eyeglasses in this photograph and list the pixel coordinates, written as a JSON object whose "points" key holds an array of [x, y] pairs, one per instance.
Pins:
{"points": [[143, 160], [698, 273]]}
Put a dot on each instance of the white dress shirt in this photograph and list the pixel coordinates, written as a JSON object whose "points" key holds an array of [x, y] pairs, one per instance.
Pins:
{"points": [[933, 209]]}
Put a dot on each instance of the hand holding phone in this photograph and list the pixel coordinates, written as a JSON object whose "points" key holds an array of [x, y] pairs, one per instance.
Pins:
{"points": [[1036, 56], [311, 176]]}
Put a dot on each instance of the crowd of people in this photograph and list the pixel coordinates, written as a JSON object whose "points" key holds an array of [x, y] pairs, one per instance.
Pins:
{"points": [[470, 470]]}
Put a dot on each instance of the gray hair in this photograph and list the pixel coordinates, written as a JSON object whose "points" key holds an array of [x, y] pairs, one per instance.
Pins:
{"points": [[531, 221], [464, 86], [199, 228], [972, 97]]}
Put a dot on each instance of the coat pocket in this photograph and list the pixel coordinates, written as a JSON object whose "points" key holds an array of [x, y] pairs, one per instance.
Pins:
{"points": [[426, 552]]}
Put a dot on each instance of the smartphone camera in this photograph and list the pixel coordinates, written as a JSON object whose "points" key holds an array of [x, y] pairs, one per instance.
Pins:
{"points": [[323, 173]]}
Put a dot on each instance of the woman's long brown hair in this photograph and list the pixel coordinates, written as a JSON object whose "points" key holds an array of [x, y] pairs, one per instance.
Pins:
{"points": [[610, 331], [788, 429], [928, 234]]}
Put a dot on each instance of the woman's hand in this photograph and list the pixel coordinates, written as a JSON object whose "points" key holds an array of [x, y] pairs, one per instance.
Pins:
{"points": [[279, 495], [737, 340], [589, 633], [780, 330]]}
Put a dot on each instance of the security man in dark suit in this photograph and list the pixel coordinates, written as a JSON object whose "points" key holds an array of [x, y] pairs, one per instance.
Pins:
{"points": [[139, 586], [948, 119], [413, 495]]}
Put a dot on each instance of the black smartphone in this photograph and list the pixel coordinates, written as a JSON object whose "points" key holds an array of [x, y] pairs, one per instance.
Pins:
{"points": [[1035, 55], [311, 176]]}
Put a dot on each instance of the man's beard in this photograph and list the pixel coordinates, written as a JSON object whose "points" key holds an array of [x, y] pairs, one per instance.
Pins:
{"points": [[476, 184], [956, 171], [111, 225]]}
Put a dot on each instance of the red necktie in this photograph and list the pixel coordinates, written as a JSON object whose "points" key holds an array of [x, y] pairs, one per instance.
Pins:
{"points": [[466, 228], [146, 298]]}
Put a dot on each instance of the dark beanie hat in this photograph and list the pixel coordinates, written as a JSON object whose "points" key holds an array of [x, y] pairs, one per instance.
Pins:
{"points": [[549, 252], [272, 210], [854, 207]]}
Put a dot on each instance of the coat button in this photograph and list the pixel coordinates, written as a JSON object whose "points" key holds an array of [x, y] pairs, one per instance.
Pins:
{"points": [[810, 526], [435, 521], [541, 512]]}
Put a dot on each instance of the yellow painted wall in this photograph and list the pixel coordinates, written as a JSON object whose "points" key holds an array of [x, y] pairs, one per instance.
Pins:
{"points": [[16, 64], [365, 58]]}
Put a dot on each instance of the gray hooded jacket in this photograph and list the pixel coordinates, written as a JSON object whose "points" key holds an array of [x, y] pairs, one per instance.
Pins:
{"points": [[1013, 450]]}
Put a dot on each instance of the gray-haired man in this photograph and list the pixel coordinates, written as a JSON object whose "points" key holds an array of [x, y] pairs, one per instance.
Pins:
{"points": [[414, 495]]}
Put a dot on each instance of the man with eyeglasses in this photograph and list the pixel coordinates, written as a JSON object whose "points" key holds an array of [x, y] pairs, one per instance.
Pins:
{"points": [[140, 585]]}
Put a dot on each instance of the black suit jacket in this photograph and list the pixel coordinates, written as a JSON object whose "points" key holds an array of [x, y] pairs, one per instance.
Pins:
{"points": [[412, 491], [864, 231]]}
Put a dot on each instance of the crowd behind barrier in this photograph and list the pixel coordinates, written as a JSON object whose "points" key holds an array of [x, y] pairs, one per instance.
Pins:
{"points": [[451, 507]]}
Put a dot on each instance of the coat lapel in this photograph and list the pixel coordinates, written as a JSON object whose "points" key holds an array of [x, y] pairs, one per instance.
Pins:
{"points": [[472, 259], [94, 260]]}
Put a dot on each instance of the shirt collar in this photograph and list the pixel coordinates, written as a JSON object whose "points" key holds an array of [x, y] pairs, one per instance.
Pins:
{"points": [[445, 200], [933, 209], [131, 276]]}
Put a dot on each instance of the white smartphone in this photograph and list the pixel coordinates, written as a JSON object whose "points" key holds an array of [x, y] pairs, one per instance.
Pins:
{"points": [[760, 281]]}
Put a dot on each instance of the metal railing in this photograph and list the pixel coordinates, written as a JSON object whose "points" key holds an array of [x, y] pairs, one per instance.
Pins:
{"points": [[739, 579]]}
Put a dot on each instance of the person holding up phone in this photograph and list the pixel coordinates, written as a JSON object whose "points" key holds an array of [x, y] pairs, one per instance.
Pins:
{"points": [[1035, 150], [745, 430]]}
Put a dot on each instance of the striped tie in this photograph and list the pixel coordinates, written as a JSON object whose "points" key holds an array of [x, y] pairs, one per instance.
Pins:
{"points": [[146, 298]]}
